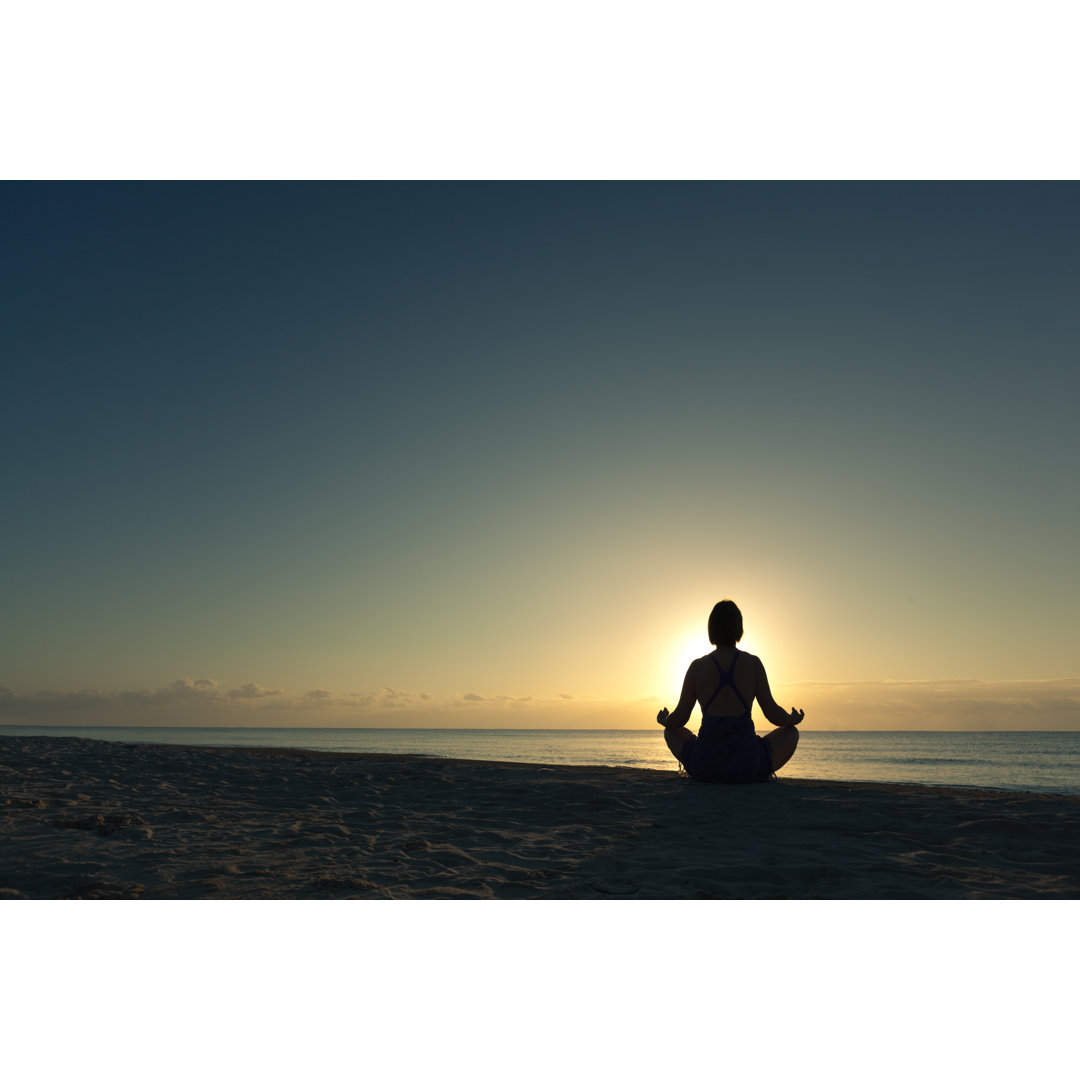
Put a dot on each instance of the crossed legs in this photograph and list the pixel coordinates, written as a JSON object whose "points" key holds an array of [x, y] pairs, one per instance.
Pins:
{"points": [[676, 739], [784, 740]]}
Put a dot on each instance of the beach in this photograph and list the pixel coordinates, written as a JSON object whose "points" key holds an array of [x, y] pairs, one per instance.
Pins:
{"points": [[88, 819]]}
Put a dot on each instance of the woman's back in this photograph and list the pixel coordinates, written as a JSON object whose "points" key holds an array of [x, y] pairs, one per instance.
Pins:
{"points": [[725, 682]]}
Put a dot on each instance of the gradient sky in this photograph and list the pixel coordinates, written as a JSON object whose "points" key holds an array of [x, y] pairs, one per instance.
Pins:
{"points": [[488, 453]]}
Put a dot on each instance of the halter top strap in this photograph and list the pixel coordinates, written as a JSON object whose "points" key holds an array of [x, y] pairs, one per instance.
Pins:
{"points": [[727, 678]]}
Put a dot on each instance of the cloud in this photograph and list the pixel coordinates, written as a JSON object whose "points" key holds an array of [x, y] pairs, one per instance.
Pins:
{"points": [[253, 690], [956, 705], [204, 699], [186, 693], [465, 701], [388, 698], [492, 700], [941, 705], [392, 698], [48, 702], [183, 691]]}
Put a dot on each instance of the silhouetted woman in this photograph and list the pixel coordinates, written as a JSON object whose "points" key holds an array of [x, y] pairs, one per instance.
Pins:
{"points": [[726, 748]]}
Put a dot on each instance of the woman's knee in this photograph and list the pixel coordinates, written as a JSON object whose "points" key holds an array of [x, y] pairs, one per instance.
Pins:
{"points": [[675, 737], [784, 741]]}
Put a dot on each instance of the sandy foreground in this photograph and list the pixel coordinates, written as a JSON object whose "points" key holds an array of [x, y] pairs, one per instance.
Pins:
{"points": [[88, 819]]}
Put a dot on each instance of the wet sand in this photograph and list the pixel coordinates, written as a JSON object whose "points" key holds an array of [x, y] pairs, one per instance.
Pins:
{"points": [[88, 819]]}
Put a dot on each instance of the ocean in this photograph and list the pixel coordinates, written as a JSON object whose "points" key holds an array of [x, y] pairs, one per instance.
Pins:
{"points": [[1040, 761]]}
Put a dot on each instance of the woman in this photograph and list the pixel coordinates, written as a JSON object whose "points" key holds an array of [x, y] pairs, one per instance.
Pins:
{"points": [[726, 748]]}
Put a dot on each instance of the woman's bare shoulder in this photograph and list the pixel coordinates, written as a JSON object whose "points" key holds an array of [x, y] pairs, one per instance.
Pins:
{"points": [[698, 665]]}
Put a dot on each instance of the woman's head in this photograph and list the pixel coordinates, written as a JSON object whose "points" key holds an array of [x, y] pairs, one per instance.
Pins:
{"points": [[725, 623]]}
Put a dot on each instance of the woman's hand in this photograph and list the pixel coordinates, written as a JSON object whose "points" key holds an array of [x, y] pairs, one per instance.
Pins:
{"points": [[797, 716], [662, 717]]}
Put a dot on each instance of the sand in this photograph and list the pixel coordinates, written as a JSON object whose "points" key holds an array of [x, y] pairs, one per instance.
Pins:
{"points": [[89, 819]]}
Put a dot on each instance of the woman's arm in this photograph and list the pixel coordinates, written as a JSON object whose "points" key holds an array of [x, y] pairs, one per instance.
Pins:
{"points": [[685, 707], [773, 712]]}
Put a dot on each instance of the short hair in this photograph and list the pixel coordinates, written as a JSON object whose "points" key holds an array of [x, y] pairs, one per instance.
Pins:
{"points": [[725, 623]]}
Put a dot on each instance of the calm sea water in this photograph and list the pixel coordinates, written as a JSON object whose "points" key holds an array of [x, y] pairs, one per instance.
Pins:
{"points": [[1041, 761]]}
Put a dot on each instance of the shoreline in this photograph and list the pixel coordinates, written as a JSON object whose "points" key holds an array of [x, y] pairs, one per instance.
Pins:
{"points": [[1042, 762], [95, 819]]}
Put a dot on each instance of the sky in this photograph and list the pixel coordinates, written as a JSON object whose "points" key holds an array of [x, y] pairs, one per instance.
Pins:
{"points": [[486, 454]]}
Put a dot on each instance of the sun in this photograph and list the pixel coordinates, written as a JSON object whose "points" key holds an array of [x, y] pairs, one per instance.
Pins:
{"points": [[685, 647], [689, 645]]}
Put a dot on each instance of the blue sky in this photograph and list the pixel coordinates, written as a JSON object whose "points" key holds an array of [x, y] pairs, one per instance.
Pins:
{"points": [[511, 441]]}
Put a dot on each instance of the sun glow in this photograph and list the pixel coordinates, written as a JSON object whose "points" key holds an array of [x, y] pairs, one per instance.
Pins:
{"points": [[688, 646]]}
